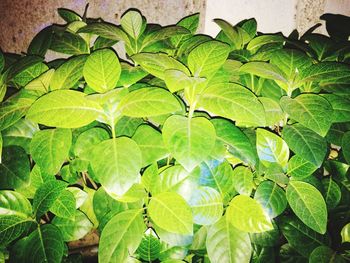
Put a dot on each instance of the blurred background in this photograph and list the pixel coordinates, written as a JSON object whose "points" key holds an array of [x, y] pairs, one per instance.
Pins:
{"points": [[20, 20]]}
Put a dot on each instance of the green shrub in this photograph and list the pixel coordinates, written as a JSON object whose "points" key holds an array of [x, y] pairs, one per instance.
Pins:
{"points": [[189, 149]]}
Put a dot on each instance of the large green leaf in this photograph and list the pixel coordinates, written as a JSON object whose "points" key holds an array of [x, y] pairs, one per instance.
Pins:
{"points": [[234, 102], [206, 205], [271, 197], [341, 107], [68, 74], [306, 143], [68, 43], [131, 22], [246, 214], [308, 204], [147, 102], [225, 243], [15, 216], [50, 148], [273, 112], [171, 212], [235, 140], [151, 144], [46, 196], [300, 168], [190, 141], [311, 110], [64, 205], [116, 164], [207, 58], [300, 237], [242, 179], [271, 148], [64, 109], [14, 168], [121, 236], [264, 70], [102, 70], [75, 228], [27, 75], [45, 244], [157, 63]]}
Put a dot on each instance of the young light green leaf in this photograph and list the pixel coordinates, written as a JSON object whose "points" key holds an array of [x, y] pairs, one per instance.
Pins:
{"points": [[69, 43], [151, 144], [102, 70], [190, 141], [271, 197], [46, 196], [271, 148], [14, 168], [242, 179], [311, 110], [264, 70], [75, 228], [234, 102], [68, 74], [206, 204], [116, 164], [332, 193], [121, 236], [308, 204], [345, 233], [246, 214], [171, 212], [55, 109], [225, 243], [147, 102], [50, 148], [131, 22], [157, 63], [300, 168], [207, 58], [305, 143], [64, 205]]}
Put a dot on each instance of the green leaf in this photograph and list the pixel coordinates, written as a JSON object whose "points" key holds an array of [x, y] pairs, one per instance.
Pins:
{"points": [[121, 236], [345, 233], [30, 73], [190, 141], [54, 109], [332, 193], [242, 179], [206, 204], [311, 110], [68, 74], [273, 112], [177, 80], [68, 43], [308, 204], [41, 42], [14, 168], [234, 34], [2, 61], [171, 212], [68, 15], [102, 70], [305, 143], [234, 102], [341, 107], [46, 196], [250, 26], [75, 228], [323, 254], [41, 84], [116, 164], [157, 63], [225, 243], [247, 215], [262, 40], [15, 216], [191, 23], [151, 144], [271, 148], [127, 126], [300, 237], [106, 30], [45, 244], [64, 205], [235, 140], [50, 148], [264, 70], [147, 102], [22, 64], [130, 75], [207, 58], [346, 146], [300, 168], [131, 22], [271, 197], [269, 238], [150, 247]]}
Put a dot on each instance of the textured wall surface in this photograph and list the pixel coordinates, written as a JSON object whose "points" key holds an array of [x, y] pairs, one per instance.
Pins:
{"points": [[20, 20]]}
